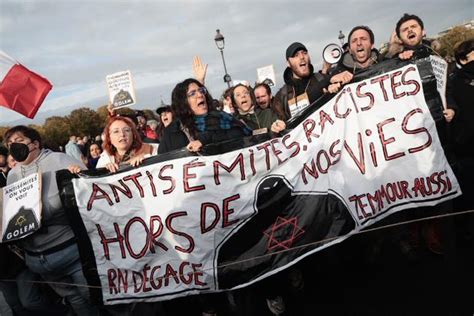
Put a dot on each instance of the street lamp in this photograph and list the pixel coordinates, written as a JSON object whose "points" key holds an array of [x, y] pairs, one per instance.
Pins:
{"points": [[219, 39], [341, 37]]}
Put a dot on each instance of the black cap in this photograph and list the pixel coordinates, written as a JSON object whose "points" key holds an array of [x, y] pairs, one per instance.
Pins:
{"points": [[165, 108], [294, 48]]}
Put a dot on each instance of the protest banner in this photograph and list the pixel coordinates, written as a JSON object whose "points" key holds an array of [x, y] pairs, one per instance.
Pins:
{"points": [[267, 75], [121, 89], [209, 223], [21, 214], [440, 70]]}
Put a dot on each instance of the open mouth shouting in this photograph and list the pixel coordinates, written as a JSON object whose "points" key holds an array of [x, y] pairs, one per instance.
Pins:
{"points": [[245, 105], [303, 67], [199, 107], [202, 104], [361, 54]]}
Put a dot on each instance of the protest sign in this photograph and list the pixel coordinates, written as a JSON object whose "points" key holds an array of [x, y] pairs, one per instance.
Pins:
{"points": [[440, 70], [21, 208], [121, 89], [210, 223], [266, 74]]}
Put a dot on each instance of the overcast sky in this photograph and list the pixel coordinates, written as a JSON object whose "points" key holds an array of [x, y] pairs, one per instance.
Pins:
{"points": [[75, 44]]}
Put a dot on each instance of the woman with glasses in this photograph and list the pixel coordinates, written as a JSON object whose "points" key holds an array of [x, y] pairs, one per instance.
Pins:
{"points": [[123, 145], [259, 120], [196, 120]]}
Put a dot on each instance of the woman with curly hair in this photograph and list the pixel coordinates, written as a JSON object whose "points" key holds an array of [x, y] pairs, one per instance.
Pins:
{"points": [[196, 121]]}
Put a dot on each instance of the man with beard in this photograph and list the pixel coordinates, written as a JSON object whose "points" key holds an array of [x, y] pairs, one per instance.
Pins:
{"points": [[302, 86], [263, 95], [410, 30]]}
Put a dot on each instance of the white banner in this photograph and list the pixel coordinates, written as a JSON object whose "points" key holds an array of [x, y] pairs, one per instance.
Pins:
{"points": [[21, 208], [440, 70], [157, 230]]}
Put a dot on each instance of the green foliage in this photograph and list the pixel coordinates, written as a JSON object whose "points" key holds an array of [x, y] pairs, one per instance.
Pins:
{"points": [[126, 111], [103, 114], [56, 132], [85, 121]]}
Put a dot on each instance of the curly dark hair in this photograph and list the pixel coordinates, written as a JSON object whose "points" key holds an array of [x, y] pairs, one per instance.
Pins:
{"points": [[180, 105]]}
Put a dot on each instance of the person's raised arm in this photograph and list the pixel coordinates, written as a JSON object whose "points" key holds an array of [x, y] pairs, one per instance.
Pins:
{"points": [[199, 69]]}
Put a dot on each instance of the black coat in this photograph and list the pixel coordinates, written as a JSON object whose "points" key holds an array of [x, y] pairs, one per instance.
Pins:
{"points": [[313, 85], [174, 138], [462, 83]]}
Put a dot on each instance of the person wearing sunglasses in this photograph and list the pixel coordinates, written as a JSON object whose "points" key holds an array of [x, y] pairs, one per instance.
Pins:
{"points": [[196, 120]]}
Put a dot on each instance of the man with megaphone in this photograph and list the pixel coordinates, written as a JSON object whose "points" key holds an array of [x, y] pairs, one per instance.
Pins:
{"points": [[361, 55], [302, 85]]}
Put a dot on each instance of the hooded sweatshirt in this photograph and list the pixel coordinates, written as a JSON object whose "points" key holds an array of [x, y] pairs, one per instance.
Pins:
{"points": [[313, 85], [55, 226], [348, 63]]}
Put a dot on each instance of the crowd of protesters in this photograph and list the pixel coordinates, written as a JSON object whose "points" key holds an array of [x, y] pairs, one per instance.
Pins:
{"points": [[193, 120]]}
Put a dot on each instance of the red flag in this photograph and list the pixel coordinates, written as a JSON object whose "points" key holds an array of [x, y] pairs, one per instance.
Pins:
{"points": [[22, 90]]}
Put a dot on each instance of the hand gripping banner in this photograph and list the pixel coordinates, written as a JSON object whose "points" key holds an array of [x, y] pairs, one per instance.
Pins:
{"points": [[209, 223]]}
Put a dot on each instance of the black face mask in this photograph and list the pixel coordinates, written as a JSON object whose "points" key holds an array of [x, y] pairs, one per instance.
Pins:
{"points": [[19, 151]]}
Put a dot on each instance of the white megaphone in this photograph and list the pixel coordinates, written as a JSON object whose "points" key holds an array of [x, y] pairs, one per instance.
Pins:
{"points": [[332, 53]]}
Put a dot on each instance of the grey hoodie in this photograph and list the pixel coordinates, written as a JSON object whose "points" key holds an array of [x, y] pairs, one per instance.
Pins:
{"points": [[56, 229]]}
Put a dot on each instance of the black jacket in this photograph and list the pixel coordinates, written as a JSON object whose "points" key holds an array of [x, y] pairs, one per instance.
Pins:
{"points": [[174, 137], [462, 82]]}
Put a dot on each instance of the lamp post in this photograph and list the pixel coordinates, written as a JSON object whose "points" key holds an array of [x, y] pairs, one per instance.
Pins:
{"points": [[341, 37], [219, 39]]}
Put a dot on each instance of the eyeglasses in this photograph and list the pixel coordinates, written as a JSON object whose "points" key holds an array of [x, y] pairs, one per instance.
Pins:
{"points": [[193, 93], [118, 131]]}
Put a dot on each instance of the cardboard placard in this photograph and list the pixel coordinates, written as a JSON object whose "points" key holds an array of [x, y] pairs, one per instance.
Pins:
{"points": [[121, 89], [21, 214]]}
